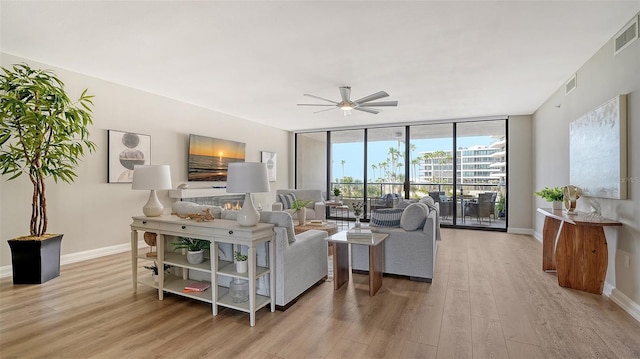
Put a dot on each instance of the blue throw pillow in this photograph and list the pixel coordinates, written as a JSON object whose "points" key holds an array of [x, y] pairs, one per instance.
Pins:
{"points": [[386, 217]]}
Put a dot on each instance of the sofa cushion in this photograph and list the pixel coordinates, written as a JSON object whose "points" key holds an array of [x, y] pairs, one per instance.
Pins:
{"points": [[386, 217], [427, 200], [287, 200], [413, 216]]}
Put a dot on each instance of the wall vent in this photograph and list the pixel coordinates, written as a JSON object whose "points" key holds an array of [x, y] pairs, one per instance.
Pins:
{"points": [[571, 84], [626, 36]]}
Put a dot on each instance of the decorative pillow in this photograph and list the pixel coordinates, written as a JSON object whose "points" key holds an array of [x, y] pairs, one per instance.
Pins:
{"points": [[414, 216], [287, 200], [386, 217], [427, 200]]}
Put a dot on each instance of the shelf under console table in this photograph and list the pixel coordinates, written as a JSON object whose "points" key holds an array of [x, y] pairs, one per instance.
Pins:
{"points": [[217, 231], [575, 246]]}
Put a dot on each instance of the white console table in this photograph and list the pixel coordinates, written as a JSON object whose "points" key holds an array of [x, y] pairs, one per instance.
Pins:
{"points": [[217, 231]]}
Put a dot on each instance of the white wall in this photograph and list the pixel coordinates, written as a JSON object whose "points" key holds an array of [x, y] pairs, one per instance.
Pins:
{"points": [[601, 78], [94, 214]]}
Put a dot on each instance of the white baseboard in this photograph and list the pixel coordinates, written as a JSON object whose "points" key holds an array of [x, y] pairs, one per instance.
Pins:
{"points": [[607, 289], [625, 303], [527, 231], [7, 271]]}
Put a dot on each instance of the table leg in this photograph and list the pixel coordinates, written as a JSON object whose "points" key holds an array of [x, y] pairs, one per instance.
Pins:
{"points": [[134, 259], [160, 264], [340, 264], [582, 257], [376, 266], [550, 234]]}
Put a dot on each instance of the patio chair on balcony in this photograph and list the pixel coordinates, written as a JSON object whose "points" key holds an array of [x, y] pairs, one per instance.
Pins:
{"points": [[446, 206], [481, 208]]}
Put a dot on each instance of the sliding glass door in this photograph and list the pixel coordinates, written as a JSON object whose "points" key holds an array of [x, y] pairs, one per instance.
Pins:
{"points": [[461, 165]]}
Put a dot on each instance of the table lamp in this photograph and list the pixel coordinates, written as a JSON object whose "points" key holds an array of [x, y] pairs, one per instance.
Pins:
{"points": [[152, 178], [247, 178]]}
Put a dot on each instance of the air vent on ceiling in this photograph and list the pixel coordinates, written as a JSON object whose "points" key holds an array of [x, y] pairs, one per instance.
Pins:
{"points": [[626, 36], [570, 85]]}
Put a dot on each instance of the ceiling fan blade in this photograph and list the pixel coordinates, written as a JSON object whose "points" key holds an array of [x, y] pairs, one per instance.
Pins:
{"points": [[345, 92], [327, 109], [372, 97], [314, 104], [383, 103], [321, 98], [364, 109]]}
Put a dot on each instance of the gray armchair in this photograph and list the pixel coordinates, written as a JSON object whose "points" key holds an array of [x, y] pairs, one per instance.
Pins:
{"points": [[315, 209]]}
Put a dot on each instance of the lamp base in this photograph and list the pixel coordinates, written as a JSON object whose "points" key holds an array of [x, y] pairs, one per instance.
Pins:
{"points": [[248, 216], [153, 208]]}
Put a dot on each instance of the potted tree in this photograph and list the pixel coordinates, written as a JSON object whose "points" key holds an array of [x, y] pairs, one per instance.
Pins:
{"points": [[42, 134], [195, 248]]}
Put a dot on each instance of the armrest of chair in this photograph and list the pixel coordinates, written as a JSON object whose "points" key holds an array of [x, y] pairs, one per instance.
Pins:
{"points": [[321, 212], [277, 206]]}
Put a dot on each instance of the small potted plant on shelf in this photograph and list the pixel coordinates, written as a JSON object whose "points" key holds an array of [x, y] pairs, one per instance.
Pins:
{"points": [[154, 270], [551, 195], [241, 262], [300, 207], [195, 248]]}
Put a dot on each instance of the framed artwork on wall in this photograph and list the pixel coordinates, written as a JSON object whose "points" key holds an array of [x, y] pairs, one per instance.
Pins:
{"points": [[270, 158], [126, 149], [598, 150]]}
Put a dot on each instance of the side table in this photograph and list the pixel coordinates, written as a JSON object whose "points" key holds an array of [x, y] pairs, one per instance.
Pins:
{"points": [[341, 259]]}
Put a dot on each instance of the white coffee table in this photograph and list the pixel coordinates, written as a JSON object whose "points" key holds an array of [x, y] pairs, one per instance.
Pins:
{"points": [[341, 259]]}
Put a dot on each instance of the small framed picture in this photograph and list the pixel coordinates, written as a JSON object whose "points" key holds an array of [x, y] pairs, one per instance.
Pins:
{"points": [[272, 164], [126, 149]]}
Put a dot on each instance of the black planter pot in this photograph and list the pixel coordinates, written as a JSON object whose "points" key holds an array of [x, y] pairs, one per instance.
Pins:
{"points": [[35, 262]]}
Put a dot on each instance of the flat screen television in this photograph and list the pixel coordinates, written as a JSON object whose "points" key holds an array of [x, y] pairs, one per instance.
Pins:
{"points": [[209, 158]]}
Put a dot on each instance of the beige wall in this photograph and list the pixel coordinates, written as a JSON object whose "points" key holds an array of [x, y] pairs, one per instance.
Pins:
{"points": [[94, 214], [520, 174], [601, 78]]}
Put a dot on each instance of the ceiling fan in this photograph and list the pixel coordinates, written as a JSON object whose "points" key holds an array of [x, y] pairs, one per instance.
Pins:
{"points": [[347, 105]]}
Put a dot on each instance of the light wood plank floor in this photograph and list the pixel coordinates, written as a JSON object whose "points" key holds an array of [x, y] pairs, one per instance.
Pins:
{"points": [[489, 299]]}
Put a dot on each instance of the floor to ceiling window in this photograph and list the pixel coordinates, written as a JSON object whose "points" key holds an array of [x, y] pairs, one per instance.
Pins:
{"points": [[461, 165]]}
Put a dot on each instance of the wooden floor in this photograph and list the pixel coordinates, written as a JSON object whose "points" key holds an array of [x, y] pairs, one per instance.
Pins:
{"points": [[489, 299]]}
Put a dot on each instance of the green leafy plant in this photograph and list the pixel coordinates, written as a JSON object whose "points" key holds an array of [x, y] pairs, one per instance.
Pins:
{"points": [[154, 268], [550, 194], [191, 244], [42, 133], [357, 208], [337, 192], [501, 205], [298, 204], [239, 256]]}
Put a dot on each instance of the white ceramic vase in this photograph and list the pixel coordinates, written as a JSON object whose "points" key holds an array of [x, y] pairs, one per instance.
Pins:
{"points": [[302, 216], [195, 257], [557, 205], [241, 266]]}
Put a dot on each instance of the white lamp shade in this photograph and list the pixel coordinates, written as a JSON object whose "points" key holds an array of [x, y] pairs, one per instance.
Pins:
{"points": [[247, 177], [151, 177]]}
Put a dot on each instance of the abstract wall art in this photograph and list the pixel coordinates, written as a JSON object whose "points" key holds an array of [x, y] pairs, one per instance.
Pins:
{"points": [[598, 150], [126, 150]]}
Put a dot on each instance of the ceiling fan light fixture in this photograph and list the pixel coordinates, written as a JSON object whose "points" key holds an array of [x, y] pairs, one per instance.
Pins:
{"points": [[346, 106]]}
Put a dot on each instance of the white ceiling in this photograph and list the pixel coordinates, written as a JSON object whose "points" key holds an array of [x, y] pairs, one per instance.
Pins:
{"points": [[255, 60]]}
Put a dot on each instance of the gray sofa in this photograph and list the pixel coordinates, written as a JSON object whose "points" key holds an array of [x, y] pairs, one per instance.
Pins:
{"points": [[301, 260], [410, 252]]}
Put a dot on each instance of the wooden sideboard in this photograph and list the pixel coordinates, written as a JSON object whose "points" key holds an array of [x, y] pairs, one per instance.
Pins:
{"points": [[575, 247]]}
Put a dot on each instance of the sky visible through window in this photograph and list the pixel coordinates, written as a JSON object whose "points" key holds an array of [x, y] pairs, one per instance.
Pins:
{"points": [[352, 153]]}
